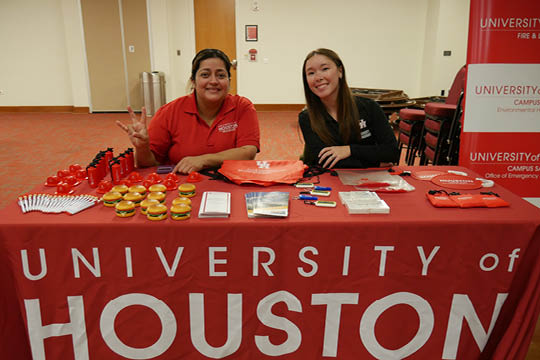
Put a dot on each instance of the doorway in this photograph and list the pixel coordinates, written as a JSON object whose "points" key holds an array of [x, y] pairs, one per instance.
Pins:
{"points": [[215, 27], [117, 51]]}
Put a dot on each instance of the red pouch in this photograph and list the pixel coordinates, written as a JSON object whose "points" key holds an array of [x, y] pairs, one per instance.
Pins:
{"points": [[441, 200], [469, 200], [268, 172], [494, 201]]}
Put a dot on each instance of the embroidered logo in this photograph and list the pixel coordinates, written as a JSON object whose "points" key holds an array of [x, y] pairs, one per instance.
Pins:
{"points": [[228, 127], [362, 123], [263, 164]]}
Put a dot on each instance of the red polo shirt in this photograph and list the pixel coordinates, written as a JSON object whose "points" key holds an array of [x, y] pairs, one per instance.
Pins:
{"points": [[177, 130]]}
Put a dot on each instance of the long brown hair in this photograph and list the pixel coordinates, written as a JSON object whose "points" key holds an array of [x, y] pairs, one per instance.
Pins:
{"points": [[347, 113]]}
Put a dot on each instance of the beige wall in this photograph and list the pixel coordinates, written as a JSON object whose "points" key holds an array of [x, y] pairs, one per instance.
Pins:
{"points": [[446, 29], [75, 51], [172, 29], [34, 67], [383, 43], [380, 43]]}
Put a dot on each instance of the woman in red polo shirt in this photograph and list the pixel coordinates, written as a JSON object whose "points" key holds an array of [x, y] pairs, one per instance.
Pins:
{"points": [[199, 130]]}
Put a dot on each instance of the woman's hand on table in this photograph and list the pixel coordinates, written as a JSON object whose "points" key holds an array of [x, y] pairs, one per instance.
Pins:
{"points": [[329, 156], [189, 164]]}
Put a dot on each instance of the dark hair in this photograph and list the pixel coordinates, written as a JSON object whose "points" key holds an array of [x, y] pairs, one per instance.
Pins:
{"points": [[347, 114], [209, 54]]}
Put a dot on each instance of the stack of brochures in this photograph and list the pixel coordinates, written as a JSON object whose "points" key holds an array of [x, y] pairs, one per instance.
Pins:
{"points": [[267, 204], [215, 204], [363, 202]]}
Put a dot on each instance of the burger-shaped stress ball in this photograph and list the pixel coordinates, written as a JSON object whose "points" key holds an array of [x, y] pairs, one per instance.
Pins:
{"points": [[180, 212], [125, 208], [156, 212], [181, 200], [138, 188], [186, 190], [159, 196], [122, 189], [134, 197], [111, 198], [146, 203], [158, 188]]}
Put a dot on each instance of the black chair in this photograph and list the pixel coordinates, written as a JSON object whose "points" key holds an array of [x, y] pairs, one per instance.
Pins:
{"points": [[438, 117], [411, 123]]}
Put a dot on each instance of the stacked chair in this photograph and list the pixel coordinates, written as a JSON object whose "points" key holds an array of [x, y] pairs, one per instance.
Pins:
{"points": [[426, 132], [411, 124], [436, 128], [454, 134]]}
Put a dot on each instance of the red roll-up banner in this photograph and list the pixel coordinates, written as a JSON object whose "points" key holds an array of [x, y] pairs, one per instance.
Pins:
{"points": [[500, 138]]}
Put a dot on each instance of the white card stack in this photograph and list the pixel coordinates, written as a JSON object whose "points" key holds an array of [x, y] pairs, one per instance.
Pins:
{"points": [[363, 202], [215, 204]]}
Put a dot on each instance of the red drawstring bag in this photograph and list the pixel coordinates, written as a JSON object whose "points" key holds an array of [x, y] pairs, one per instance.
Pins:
{"points": [[267, 172], [440, 199]]}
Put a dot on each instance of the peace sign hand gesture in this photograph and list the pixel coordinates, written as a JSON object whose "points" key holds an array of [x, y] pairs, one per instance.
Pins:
{"points": [[137, 130]]}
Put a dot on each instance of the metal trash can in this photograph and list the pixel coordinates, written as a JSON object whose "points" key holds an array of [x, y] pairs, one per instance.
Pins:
{"points": [[153, 90]]}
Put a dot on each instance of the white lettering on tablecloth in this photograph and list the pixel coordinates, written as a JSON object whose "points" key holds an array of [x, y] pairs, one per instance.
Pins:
{"points": [[262, 258], [198, 334], [265, 265], [382, 263], [170, 270], [26, 267], [76, 255], [212, 261], [308, 261], [162, 310], [461, 309], [494, 264], [426, 262], [377, 308]]}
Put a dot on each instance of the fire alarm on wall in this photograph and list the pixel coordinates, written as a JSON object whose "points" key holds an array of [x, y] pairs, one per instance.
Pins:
{"points": [[252, 54]]}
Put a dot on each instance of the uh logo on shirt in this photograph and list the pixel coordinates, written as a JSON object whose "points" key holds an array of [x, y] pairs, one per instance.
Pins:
{"points": [[364, 132]]}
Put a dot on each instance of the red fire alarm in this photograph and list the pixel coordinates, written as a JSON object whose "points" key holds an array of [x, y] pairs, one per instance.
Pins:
{"points": [[252, 54]]}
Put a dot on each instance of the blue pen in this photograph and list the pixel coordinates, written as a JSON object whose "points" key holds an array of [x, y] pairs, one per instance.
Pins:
{"points": [[306, 197], [324, 188]]}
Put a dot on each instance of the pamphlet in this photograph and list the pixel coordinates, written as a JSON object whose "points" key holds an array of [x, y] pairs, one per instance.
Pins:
{"points": [[267, 204], [215, 204]]}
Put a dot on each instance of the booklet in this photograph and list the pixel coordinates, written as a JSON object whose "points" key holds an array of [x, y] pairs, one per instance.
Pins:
{"points": [[215, 204], [267, 204]]}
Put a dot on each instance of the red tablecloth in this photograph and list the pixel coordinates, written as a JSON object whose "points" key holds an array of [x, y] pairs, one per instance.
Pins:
{"points": [[422, 282]]}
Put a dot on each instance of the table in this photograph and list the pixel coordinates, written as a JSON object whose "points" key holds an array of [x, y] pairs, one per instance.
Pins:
{"points": [[421, 282]]}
